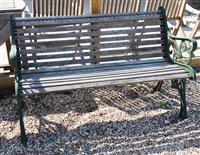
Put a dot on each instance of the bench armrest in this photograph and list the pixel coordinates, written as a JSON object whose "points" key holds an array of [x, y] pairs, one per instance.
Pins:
{"points": [[181, 50], [13, 57]]}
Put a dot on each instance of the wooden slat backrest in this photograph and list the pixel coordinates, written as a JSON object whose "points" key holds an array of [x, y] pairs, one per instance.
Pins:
{"points": [[113, 6], [70, 44], [174, 8], [119, 6], [44, 8]]}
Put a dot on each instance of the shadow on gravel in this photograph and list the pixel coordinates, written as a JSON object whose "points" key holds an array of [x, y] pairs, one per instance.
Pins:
{"points": [[142, 136], [131, 100], [150, 134], [80, 101]]}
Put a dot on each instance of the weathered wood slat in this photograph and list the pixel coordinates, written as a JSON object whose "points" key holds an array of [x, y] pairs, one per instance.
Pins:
{"points": [[58, 82], [139, 51], [78, 71], [86, 67], [143, 13], [105, 83], [84, 34], [79, 41], [66, 76], [100, 70], [86, 47], [96, 79], [84, 20], [87, 27], [106, 78], [90, 60], [68, 62]]}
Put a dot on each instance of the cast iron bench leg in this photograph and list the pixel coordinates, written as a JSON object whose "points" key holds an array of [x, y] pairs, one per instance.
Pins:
{"points": [[180, 85], [182, 89], [158, 86], [22, 129]]}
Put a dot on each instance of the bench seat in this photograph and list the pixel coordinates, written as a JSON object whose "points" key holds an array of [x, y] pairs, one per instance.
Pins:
{"points": [[101, 75]]}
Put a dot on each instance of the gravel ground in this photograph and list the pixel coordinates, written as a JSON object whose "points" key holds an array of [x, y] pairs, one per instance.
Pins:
{"points": [[122, 119]]}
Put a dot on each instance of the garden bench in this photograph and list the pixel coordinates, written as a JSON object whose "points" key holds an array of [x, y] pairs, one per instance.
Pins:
{"points": [[96, 50]]}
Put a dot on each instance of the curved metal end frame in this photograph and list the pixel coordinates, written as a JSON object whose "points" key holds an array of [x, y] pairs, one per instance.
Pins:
{"points": [[180, 85], [22, 128]]}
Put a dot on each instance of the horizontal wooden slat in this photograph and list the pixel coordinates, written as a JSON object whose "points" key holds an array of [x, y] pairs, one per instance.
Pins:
{"points": [[91, 66], [86, 16], [88, 69], [105, 83], [90, 60], [87, 27], [86, 47], [111, 80], [106, 77], [116, 71], [84, 34], [155, 50], [85, 20], [90, 40], [69, 62]]}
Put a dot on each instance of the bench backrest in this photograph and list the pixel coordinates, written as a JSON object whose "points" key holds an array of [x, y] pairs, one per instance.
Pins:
{"points": [[82, 40], [42, 8]]}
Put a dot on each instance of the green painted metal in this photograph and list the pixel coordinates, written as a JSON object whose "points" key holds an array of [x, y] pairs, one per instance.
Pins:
{"points": [[22, 128], [158, 86], [165, 37], [14, 64], [180, 85], [174, 54], [13, 52], [182, 89], [175, 50]]}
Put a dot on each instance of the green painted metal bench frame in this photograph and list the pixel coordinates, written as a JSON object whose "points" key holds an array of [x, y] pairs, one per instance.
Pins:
{"points": [[172, 55]]}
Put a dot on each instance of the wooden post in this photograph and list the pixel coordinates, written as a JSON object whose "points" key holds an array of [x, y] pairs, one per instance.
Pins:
{"points": [[95, 8]]}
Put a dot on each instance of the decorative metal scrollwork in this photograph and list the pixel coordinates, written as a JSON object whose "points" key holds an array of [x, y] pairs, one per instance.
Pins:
{"points": [[180, 52]]}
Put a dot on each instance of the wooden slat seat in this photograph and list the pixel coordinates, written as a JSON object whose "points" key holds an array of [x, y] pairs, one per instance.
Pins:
{"points": [[100, 76], [66, 56]]}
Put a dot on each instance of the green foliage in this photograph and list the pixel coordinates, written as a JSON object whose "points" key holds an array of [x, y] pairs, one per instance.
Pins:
{"points": [[132, 85], [168, 104], [165, 103]]}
